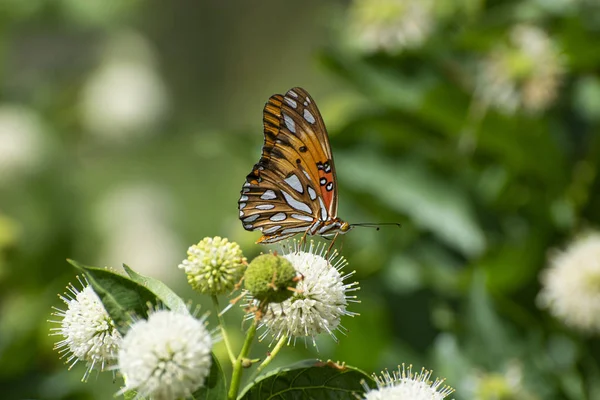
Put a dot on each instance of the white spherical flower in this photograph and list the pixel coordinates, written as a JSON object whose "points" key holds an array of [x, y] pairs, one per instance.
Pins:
{"points": [[320, 298], [523, 73], [166, 357], [406, 385], [90, 335], [214, 265], [21, 141], [123, 99], [390, 25], [571, 284], [134, 222]]}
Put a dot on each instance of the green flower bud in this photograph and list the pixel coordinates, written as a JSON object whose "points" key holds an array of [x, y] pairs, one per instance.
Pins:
{"points": [[214, 265], [268, 278]]}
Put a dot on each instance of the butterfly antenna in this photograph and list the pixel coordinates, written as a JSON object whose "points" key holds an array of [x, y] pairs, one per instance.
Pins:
{"points": [[377, 226]]}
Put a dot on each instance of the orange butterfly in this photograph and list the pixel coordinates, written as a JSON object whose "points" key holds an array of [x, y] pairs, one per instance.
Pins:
{"points": [[293, 187]]}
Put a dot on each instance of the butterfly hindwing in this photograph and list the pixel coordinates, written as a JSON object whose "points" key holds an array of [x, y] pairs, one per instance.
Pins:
{"points": [[293, 184]]}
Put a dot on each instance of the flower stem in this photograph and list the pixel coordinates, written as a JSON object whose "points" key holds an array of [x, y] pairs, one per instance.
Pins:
{"points": [[223, 331], [271, 355], [236, 375]]}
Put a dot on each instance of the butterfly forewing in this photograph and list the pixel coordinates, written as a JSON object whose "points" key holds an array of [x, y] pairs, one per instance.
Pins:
{"points": [[293, 184]]}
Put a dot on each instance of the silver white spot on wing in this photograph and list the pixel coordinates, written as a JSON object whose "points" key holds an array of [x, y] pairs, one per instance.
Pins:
{"points": [[306, 104], [272, 229], [242, 205], [308, 116], [251, 218], [308, 100], [311, 193], [278, 217], [244, 198], [302, 217], [307, 175], [247, 184], [291, 102], [323, 210], [265, 207], [248, 226], [295, 183], [289, 122], [295, 204], [241, 214], [293, 94], [268, 195]]}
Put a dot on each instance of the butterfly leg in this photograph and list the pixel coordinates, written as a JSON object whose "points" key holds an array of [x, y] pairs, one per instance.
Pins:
{"points": [[331, 244], [302, 239]]}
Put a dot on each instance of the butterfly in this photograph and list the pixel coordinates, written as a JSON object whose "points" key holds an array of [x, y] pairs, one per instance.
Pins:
{"points": [[293, 187]]}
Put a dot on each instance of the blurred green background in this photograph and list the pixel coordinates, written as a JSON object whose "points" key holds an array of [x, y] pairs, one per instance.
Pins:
{"points": [[127, 128]]}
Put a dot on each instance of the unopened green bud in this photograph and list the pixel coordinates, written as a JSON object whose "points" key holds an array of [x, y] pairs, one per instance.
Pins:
{"points": [[269, 277]]}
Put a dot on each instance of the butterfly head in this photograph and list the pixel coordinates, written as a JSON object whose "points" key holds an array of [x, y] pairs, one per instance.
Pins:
{"points": [[345, 227]]}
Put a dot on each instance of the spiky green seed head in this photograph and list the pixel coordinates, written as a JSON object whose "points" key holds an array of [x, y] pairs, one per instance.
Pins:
{"points": [[269, 278]]}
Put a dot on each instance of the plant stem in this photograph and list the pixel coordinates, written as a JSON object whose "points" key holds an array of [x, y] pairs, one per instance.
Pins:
{"points": [[236, 375], [271, 355], [223, 331]]}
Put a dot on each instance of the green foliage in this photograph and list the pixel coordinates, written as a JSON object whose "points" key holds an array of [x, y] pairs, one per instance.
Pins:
{"points": [[484, 195], [309, 379], [122, 298], [215, 386]]}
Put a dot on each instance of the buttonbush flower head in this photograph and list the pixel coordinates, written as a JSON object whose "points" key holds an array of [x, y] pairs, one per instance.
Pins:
{"points": [[89, 334], [124, 99], [214, 265], [523, 73], [165, 357], [571, 284], [320, 298], [22, 136], [500, 385], [406, 385], [390, 25]]}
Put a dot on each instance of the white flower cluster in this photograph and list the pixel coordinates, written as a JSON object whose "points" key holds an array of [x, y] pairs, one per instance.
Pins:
{"points": [[571, 284], [390, 25], [320, 299], [406, 385], [88, 332], [524, 73], [166, 357]]}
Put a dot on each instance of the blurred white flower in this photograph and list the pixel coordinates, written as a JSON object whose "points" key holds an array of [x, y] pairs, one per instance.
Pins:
{"points": [[320, 299], [134, 222], [166, 357], [499, 385], [524, 73], [21, 141], [125, 97], [214, 265], [571, 284], [89, 334], [406, 385], [390, 25]]}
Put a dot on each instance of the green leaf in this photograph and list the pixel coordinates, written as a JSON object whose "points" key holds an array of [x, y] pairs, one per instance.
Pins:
{"points": [[120, 296], [162, 291], [309, 379], [409, 188], [215, 386]]}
